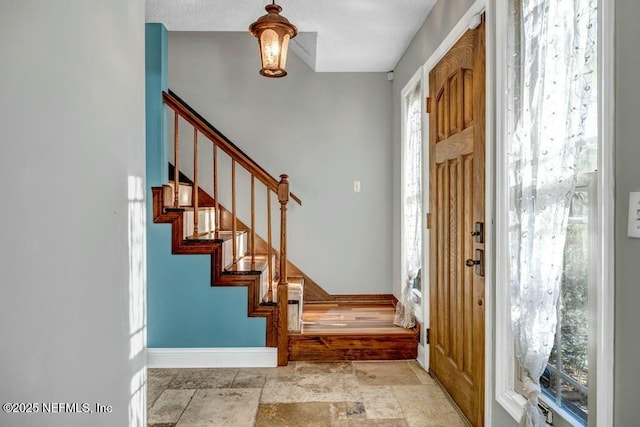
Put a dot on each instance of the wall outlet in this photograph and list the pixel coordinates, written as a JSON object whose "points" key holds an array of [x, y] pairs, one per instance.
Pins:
{"points": [[634, 215], [356, 186]]}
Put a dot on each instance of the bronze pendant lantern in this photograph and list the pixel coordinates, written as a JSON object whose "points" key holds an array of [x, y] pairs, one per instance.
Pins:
{"points": [[273, 32]]}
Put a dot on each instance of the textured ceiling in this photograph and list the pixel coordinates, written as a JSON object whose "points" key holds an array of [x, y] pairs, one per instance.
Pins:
{"points": [[336, 35]]}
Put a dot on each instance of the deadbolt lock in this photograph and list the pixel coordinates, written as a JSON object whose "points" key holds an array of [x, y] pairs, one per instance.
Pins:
{"points": [[478, 232]]}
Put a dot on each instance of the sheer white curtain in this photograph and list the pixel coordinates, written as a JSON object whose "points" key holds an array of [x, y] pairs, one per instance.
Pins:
{"points": [[551, 96], [412, 221]]}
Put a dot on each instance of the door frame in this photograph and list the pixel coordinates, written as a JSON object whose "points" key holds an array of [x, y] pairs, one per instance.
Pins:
{"points": [[467, 21]]}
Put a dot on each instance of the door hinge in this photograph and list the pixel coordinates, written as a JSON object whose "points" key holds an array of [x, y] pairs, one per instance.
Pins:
{"points": [[428, 221], [428, 335], [428, 105]]}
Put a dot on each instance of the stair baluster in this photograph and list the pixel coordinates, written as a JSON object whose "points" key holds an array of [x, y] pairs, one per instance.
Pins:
{"points": [[233, 210], [194, 189], [176, 161], [216, 214], [253, 222], [269, 246]]}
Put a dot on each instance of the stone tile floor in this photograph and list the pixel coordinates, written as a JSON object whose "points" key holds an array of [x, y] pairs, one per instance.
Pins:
{"points": [[398, 393]]}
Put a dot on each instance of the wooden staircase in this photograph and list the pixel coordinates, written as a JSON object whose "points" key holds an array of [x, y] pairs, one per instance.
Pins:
{"points": [[249, 270], [327, 327]]}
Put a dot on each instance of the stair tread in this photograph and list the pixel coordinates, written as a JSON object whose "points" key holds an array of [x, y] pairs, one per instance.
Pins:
{"points": [[246, 266], [189, 208], [220, 236], [330, 319], [186, 184]]}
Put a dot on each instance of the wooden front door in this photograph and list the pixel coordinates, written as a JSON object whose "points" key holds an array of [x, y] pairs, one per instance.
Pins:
{"points": [[456, 174]]}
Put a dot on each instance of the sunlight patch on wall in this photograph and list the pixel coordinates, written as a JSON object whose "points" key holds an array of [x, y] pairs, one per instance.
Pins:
{"points": [[137, 267], [137, 407], [137, 297]]}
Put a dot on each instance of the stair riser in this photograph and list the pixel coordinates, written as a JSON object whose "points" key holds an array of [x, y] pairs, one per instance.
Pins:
{"points": [[227, 249], [206, 222], [264, 281], [349, 347], [184, 195]]}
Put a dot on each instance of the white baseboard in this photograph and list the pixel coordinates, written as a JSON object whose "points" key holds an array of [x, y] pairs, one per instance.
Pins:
{"points": [[222, 357]]}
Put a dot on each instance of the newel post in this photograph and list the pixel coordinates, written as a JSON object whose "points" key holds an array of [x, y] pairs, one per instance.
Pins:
{"points": [[283, 198], [283, 293]]}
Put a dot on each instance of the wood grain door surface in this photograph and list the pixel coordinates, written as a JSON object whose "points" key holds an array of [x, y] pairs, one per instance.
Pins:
{"points": [[457, 200]]}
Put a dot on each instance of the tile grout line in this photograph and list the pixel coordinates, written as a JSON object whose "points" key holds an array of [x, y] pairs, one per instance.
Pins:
{"points": [[160, 394], [233, 381], [186, 406]]}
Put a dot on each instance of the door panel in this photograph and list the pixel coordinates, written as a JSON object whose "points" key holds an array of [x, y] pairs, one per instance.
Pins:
{"points": [[456, 144]]}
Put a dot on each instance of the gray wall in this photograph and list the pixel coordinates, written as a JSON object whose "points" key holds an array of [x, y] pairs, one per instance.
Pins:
{"points": [[627, 342], [323, 129], [72, 119]]}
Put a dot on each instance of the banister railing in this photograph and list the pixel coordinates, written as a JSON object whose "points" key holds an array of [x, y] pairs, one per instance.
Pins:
{"points": [[279, 188], [197, 121]]}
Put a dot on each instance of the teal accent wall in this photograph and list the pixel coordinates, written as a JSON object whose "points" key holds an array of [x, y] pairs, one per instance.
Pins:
{"points": [[183, 310], [156, 81]]}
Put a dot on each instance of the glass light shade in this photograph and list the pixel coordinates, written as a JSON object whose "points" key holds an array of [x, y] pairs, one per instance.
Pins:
{"points": [[273, 32]]}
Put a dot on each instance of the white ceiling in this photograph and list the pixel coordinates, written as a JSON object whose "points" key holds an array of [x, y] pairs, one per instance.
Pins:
{"points": [[335, 35]]}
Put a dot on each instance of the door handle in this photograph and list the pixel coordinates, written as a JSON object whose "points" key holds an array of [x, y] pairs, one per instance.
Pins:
{"points": [[477, 263]]}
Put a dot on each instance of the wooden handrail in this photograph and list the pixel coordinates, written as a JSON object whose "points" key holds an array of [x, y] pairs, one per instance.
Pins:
{"points": [[188, 114]]}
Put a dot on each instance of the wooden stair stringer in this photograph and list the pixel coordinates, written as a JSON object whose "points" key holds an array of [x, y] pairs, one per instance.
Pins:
{"points": [[180, 246], [255, 308]]}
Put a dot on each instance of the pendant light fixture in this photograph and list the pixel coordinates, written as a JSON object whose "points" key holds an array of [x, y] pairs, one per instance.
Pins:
{"points": [[273, 32]]}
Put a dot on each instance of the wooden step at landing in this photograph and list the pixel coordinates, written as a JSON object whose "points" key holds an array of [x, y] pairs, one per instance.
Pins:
{"points": [[351, 331]]}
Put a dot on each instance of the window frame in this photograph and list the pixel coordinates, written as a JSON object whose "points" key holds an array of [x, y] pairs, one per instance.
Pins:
{"points": [[591, 189], [422, 311], [602, 331]]}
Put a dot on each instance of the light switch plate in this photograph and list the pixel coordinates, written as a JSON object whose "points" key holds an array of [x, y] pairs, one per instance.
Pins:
{"points": [[634, 215], [356, 186]]}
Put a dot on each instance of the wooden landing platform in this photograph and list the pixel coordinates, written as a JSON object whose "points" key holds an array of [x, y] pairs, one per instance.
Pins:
{"points": [[351, 331]]}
